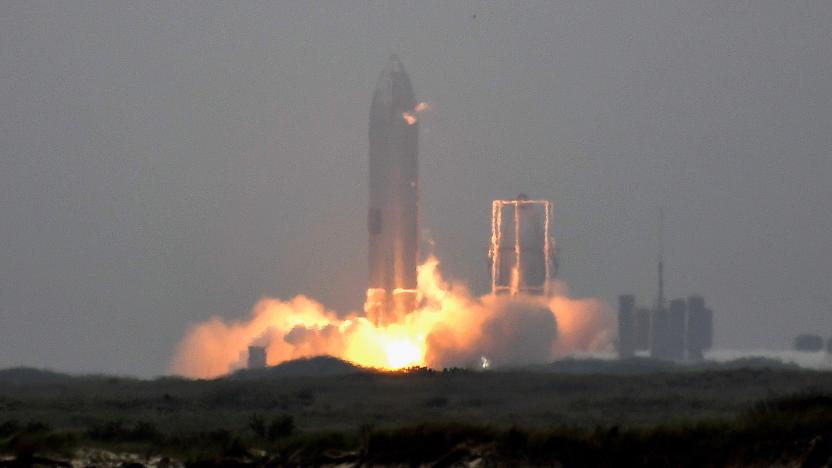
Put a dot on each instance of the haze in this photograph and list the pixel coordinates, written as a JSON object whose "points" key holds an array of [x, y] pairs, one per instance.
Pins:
{"points": [[161, 162]]}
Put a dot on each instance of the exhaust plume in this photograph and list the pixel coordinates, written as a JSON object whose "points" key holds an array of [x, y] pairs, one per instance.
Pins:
{"points": [[450, 328]]}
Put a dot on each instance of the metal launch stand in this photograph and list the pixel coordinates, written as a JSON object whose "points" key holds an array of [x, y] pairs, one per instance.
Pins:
{"points": [[516, 281]]}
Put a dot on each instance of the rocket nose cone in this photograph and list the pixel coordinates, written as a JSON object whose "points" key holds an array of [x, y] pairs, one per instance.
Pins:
{"points": [[393, 91], [395, 65]]}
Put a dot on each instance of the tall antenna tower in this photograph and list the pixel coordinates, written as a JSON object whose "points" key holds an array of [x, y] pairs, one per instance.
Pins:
{"points": [[660, 301]]}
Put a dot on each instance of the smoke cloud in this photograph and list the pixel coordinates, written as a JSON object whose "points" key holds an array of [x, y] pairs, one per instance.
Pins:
{"points": [[509, 332], [451, 328]]}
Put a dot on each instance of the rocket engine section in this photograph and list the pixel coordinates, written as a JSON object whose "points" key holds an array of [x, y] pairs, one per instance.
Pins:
{"points": [[393, 212]]}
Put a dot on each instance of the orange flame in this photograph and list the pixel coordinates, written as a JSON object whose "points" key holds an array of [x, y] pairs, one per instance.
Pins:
{"points": [[450, 328], [411, 117]]}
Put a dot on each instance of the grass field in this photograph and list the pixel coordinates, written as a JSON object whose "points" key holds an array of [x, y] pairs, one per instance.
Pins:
{"points": [[586, 414]]}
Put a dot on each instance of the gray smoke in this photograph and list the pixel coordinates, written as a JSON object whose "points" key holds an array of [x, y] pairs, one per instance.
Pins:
{"points": [[515, 333]]}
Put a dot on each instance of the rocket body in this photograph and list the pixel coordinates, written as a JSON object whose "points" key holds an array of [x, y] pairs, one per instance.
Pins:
{"points": [[393, 202]]}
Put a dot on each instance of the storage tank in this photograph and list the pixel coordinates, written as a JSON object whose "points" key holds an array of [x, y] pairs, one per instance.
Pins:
{"points": [[808, 343], [676, 324], [699, 336], [626, 325]]}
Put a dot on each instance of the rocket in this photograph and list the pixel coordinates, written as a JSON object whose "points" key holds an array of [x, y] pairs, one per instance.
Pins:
{"points": [[393, 218]]}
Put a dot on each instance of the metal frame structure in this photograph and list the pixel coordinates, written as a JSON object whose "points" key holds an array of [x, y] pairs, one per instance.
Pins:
{"points": [[495, 253]]}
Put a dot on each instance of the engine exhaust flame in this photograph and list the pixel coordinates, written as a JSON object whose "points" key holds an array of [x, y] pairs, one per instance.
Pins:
{"points": [[450, 328], [411, 117]]}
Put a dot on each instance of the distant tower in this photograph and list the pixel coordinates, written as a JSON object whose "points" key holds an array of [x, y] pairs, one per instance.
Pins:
{"points": [[660, 303], [682, 329], [660, 333]]}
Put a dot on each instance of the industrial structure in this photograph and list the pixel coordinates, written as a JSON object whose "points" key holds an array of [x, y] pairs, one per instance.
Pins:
{"points": [[523, 254], [808, 343], [682, 331], [676, 330], [393, 222], [699, 330]]}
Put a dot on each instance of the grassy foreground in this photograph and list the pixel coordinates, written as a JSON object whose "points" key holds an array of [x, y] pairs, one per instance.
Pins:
{"points": [[693, 417]]}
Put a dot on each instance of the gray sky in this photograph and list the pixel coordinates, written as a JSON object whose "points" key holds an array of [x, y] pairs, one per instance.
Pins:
{"points": [[162, 162]]}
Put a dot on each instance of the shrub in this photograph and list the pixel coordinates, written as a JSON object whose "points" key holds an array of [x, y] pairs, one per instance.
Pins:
{"points": [[9, 427], [280, 427], [115, 431], [436, 402], [257, 425]]}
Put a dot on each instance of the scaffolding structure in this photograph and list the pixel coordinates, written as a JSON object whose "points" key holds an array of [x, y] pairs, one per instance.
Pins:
{"points": [[514, 278]]}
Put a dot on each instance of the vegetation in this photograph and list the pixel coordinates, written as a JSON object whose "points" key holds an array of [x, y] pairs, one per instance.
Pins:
{"points": [[724, 416]]}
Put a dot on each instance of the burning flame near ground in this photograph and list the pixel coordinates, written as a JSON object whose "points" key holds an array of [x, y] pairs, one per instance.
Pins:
{"points": [[451, 328]]}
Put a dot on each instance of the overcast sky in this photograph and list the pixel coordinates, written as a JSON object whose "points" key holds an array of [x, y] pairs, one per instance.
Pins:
{"points": [[163, 162]]}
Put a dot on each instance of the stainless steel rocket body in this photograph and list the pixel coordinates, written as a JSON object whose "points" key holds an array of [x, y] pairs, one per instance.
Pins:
{"points": [[393, 218]]}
